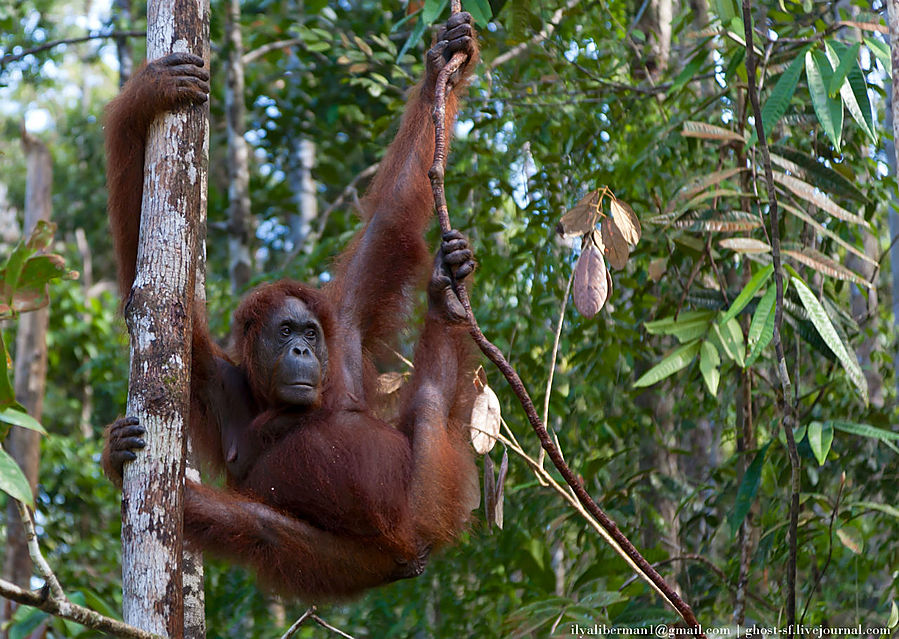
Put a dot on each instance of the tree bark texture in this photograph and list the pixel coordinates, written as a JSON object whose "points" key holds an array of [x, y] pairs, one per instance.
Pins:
{"points": [[240, 224], [30, 367], [158, 315], [893, 118], [305, 192]]}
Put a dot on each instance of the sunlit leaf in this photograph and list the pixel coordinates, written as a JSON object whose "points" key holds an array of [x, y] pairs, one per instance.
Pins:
{"points": [[12, 479], [888, 437], [854, 89], [761, 330], [744, 245], [19, 418], [707, 131], [676, 361], [390, 382], [810, 194], [852, 539], [846, 62], [829, 110], [657, 268], [882, 52], [685, 327], [481, 12], [752, 286], [715, 221], [894, 614], [590, 288], [826, 266], [626, 221], [709, 361], [808, 219], [485, 421], [818, 316], [808, 168], [499, 492], [701, 184], [42, 235], [820, 438], [731, 337]]}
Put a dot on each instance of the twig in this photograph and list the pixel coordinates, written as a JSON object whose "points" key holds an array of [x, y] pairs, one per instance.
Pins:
{"points": [[15, 57], [611, 532], [255, 54], [310, 614], [833, 516], [349, 190], [552, 366], [784, 375], [545, 32], [51, 598]]}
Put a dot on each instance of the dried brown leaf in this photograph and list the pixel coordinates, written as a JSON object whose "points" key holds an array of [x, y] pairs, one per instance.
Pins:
{"points": [[808, 193], [626, 220], [499, 492], [485, 421], [582, 217], [745, 245], [489, 492], [730, 222], [808, 219], [389, 383], [826, 266], [615, 247], [709, 132], [699, 185], [590, 287]]}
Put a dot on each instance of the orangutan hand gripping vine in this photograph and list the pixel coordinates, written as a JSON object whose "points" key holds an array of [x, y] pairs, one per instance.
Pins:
{"points": [[323, 498]]}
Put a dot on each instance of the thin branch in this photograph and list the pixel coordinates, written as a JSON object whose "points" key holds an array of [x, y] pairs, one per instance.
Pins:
{"points": [[251, 56], [610, 531], [51, 598], [833, 516], [310, 614], [349, 190], [545, 32], [552, 365], [785, 398], [15, 57]]}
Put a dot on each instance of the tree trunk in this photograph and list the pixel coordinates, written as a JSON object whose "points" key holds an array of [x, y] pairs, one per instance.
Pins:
{"points": [[159, 323], [122, 22], [893, 153], [305, 192], [30, 370], [240, 224]]}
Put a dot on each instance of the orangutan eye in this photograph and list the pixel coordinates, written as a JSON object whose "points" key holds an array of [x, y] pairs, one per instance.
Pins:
{"points": [[310, 334], [285, 331]]}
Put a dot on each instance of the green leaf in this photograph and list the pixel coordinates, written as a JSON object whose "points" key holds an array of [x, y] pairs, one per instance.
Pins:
{"points": [[886, 509], [12, 479], [417, 32], [761, 330], [24, 420], [690, 70], [709, 360], [676, 361], [829, 110], [824, 177], [731, 337], [820, 437], [842, 70], [748, 489], [779, 99], [882, 52], [13, 269], [480, 10], [854, 91], [818, 316], [865, 430], [686, 327], [748, 292], [432, 10]]}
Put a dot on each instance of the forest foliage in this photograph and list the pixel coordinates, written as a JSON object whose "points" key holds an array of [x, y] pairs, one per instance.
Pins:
{"points": [[613, 187]]}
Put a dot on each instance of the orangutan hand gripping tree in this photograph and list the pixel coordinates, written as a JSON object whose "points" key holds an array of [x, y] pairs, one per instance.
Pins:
{"points": [[323, 498]]}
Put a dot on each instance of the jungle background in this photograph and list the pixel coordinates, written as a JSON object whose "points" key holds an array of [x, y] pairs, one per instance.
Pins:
{"points": [[664, 403]]}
